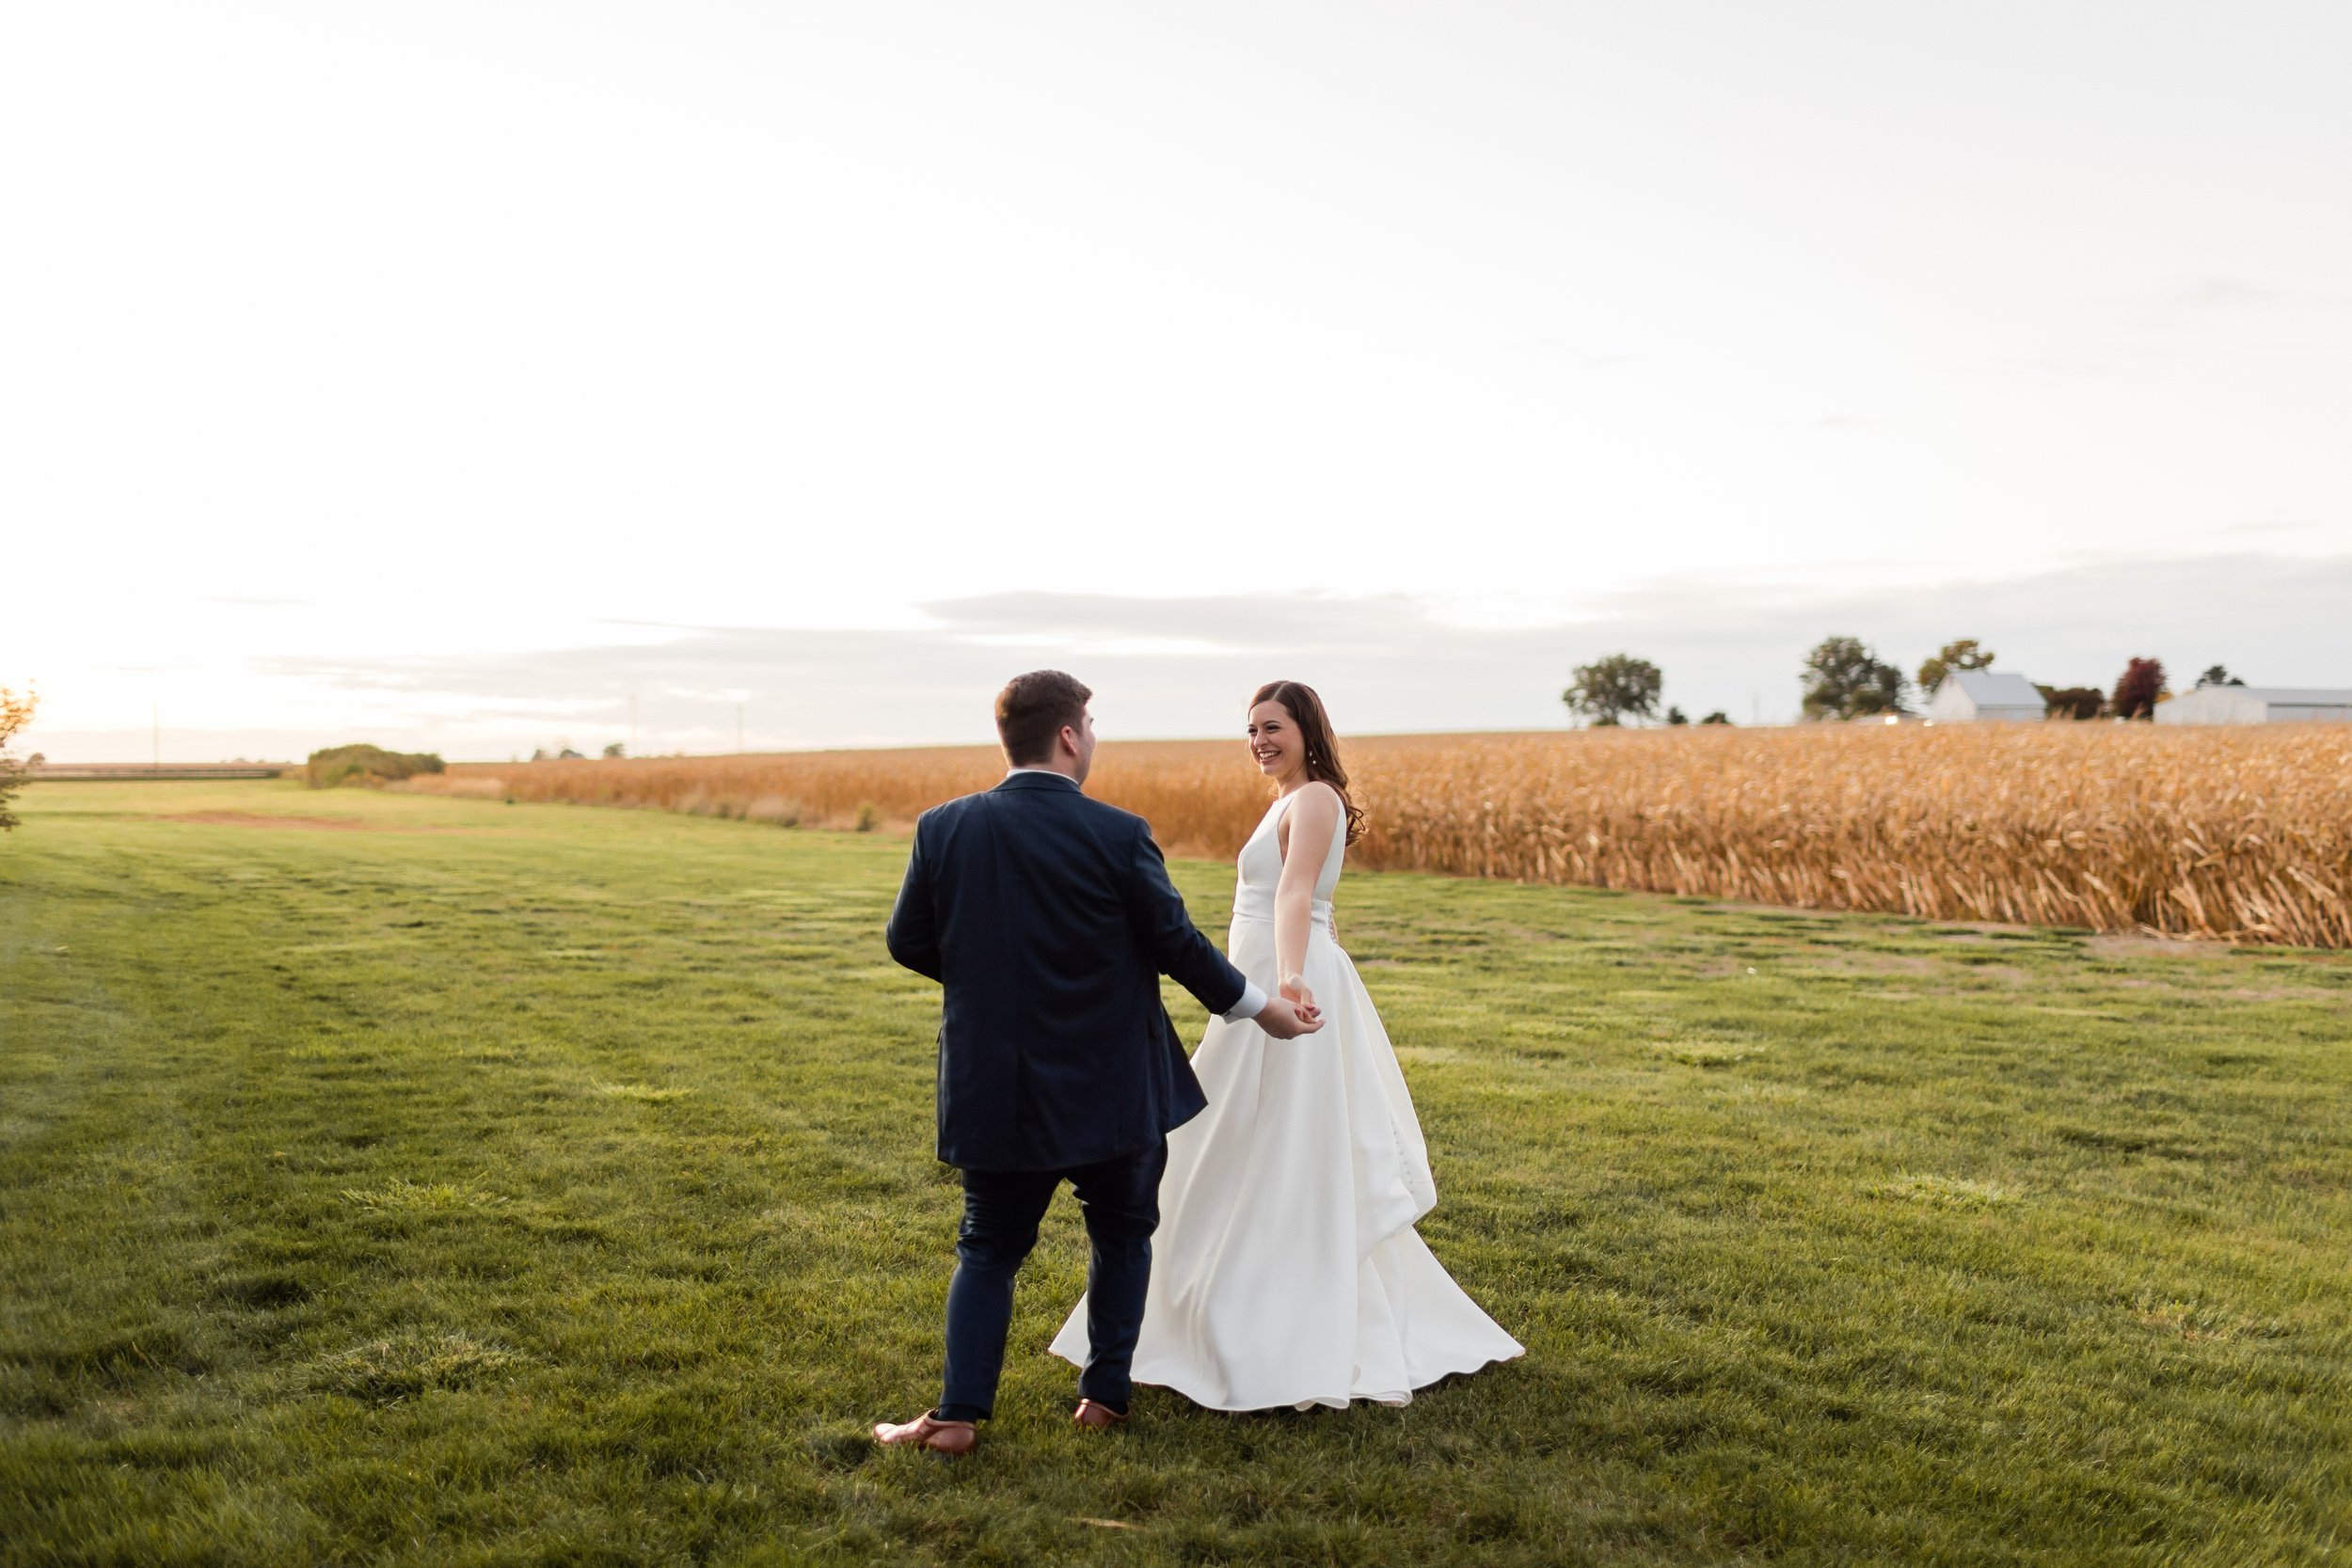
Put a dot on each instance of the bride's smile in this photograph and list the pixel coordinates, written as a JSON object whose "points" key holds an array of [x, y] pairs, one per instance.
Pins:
{"points": [[1274, 743]]}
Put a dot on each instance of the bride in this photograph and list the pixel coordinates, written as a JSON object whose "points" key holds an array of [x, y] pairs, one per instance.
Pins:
{"points": [[1286, 1269]]}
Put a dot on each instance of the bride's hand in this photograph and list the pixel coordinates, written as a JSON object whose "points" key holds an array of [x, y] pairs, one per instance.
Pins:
{"points": [[1295, 990]]}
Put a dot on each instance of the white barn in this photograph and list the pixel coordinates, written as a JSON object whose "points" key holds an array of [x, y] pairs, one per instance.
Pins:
{"points": [[1981, 696], [2258, 704]]}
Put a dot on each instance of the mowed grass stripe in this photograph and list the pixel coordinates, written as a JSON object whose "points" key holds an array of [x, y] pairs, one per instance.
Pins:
{"points": [[490, 1184]]}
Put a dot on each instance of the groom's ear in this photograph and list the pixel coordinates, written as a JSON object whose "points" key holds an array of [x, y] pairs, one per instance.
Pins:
{"points": [[1033, 709]]}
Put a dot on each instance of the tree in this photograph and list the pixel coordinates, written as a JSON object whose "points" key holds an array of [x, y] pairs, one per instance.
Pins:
{"points": [[1718, 716], [1607, 689], [1963, 654], [2217, 676], [2137, 688], [2071, 702], [1845, 679], [369, 766], [16, 711], [616, 752], [1675, 715]]}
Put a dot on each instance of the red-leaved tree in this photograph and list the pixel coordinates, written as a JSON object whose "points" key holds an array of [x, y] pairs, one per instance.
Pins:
{"points": [[2137, 688]]}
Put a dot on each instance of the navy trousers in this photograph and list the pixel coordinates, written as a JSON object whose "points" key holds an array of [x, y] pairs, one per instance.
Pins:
{"points": [[1120, 1199]]}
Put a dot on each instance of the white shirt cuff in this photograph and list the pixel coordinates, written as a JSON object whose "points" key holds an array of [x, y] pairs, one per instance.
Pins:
{"points": [[1252, 1002]]}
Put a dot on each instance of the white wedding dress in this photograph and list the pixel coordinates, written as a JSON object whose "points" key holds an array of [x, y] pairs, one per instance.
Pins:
{"points": [[1286, 1270]]}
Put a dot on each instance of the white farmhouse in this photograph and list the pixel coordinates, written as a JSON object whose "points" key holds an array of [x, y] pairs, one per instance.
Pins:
{"points": [[2258, 704], [1981, 696]]}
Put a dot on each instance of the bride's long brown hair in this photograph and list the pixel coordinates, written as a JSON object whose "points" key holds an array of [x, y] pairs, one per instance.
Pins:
{"points": [[1322, 751]]}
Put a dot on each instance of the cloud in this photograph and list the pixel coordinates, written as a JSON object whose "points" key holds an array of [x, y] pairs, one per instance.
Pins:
{"points": [[1185, 666]]}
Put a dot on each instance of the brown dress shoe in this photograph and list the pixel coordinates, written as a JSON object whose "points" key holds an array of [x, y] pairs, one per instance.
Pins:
{"points": [[1097, 1417], [928, 1430]]}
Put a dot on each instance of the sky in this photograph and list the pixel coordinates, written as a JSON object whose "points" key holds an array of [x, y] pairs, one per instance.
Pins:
{"points": [[488, 376]]}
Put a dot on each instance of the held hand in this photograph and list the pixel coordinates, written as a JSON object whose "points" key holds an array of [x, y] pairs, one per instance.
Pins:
{"points": [[1285, 1020], [1294, 987]]}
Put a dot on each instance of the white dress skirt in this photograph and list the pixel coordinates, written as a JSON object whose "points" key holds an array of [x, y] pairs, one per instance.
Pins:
{"points": [[1286, 1271]]}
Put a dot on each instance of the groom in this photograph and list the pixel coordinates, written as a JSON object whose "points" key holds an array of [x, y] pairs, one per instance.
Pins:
{"points": [[1049, 918]]}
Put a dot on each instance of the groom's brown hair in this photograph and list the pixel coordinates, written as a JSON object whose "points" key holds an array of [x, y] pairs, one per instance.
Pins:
{"points": [[1033, 709]]}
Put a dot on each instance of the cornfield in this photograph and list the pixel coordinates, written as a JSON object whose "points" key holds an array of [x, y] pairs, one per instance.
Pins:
{"points": [[2242, 834]]}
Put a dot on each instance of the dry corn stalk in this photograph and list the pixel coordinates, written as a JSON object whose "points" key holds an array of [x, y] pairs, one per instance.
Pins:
{"points": [[2242, 834]]}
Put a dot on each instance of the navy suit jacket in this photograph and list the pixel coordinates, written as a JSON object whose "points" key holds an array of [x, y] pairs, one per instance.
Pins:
{"points": [[1049, 918]]}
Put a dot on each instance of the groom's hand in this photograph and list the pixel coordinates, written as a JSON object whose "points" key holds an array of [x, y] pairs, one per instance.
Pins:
{"points": [[1286, 1019]]}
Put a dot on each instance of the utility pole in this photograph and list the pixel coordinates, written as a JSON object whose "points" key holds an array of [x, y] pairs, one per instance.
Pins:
{"points": [[1756, 708], [632, 724], [738, 729], [157, 735]]}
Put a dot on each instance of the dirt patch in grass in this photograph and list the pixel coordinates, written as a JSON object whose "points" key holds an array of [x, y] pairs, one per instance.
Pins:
{"points": [[2284, 994], [336, 824], [1867, 961], [2053, 937], [1977, 969], [2118, 945]]}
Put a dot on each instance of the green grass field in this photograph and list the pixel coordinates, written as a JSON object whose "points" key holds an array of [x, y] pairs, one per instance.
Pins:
{"points": [[470, 1183]]}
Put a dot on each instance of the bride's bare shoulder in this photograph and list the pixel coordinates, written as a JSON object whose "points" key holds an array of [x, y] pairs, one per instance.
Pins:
{"points": [[1317, 799]]}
